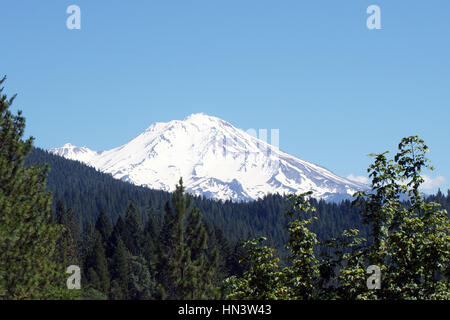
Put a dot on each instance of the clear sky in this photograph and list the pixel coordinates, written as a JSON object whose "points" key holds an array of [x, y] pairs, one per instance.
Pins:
{"points": [[336, 90]]}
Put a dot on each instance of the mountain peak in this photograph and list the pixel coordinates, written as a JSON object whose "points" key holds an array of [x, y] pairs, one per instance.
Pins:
{"points": [[215, 160], [68, 145], [69, 151], [197, 115], [203, 118]]}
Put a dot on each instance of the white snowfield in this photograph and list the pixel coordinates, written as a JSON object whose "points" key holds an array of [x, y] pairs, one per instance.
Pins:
{"points": [[215, 159]]}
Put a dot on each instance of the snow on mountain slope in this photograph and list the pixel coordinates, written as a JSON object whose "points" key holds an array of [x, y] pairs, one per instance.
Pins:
{"points": [[69, 151], [215, 159]]}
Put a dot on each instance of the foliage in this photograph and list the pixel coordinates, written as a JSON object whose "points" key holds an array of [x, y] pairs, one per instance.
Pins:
{"points": [[27, 235], [175, 246], [408, 240], [184, 269], [303, 271], [87, 192], [264, 280], [411, 242]]}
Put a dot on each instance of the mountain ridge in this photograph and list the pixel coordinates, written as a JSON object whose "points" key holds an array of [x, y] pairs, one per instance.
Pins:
{"points": [[215, 159]]}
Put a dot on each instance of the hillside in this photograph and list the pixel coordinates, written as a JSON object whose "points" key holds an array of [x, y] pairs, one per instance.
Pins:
{"points": [[87, 191]]}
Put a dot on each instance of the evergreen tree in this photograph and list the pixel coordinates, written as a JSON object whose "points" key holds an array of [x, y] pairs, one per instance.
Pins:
{"points": [[237, 261], [219, 246], [116, 236], [150, 242], [27, 236], [96, 266], [67, 248], [172, 251], [119, 272], [185, 270], [200, 270], [103, 226], [133, 232], [195, 234], [88, 241], [140, 282]]}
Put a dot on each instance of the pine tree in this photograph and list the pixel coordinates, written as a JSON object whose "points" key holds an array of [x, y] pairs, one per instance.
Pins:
{"points": [[87, 243], [96, 266], [103, 226], [116, 236], [200, 268], [150, 242], [118, 255], [27, 236], [140, 282], [184, 268], [133, 232], [119, 272], [195, 234], [172, 253], [67, 249], [219, 246]]}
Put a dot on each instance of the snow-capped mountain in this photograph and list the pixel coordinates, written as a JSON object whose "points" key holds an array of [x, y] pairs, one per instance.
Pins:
{"points": [[214, 158], [72, 152]]}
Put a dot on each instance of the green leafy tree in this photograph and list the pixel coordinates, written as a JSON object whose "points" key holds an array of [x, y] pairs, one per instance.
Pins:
{"points": [[303, 271], [410, 241], [343, 267], [263, 281]]}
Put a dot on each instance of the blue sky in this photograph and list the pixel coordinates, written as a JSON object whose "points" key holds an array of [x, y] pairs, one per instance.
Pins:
{"points": [[336, 90]]}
